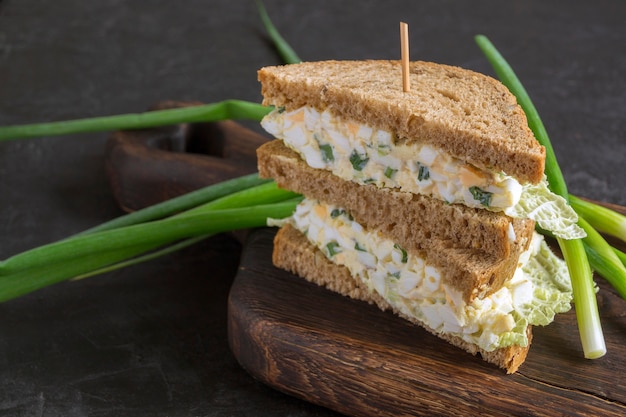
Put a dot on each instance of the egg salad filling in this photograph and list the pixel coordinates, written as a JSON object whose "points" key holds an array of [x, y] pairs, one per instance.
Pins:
{"points": [[539, 289], [360, 153]]}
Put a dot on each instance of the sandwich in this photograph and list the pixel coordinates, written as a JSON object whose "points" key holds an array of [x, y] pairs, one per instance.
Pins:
{"points": [[423, 202]]}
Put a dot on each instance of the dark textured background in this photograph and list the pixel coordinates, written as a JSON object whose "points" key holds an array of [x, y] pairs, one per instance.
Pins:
{"points": [[151, 340]]}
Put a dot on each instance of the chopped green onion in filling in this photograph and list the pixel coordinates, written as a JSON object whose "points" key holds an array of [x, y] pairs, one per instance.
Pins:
{"points": [[327, 153], [333, 248], [358, 247], [390, 172], [404, 254], [423, 172], [358, 161], [480, 195]]}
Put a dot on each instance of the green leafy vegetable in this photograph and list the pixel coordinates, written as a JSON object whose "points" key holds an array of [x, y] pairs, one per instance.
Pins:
{"points": [[550, 211]]}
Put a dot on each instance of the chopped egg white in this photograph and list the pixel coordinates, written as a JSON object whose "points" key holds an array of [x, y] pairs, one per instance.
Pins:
{"points": [[367, 155], [417, 289]]}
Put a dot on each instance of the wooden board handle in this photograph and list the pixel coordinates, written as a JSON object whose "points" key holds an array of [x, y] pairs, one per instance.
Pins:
{"points": [[148, 166]]}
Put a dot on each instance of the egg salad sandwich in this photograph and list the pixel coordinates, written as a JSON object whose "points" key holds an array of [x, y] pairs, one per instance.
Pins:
{"points": [[422, 202]]}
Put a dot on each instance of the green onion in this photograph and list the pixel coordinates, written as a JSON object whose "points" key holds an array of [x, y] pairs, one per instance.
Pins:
{"points": [[125, 262], [336, 213], [589, 326], [603, 259], [358, 161], [333, 248], [228, 109], [423, 173], [601, 218], [167, 208], [621, 255], [181, 203], [340, 212], [508, 78], [170, 207], [285, 51], [390, 172], [587, 314], [483, 197], [138, 237], [405, 256], [160, 231], [266, 193], [327, 153], [359, 247], [81, 255], [26, 281]]}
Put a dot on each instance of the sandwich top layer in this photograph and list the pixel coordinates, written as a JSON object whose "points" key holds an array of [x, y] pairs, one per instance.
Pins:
{"points": [[469, 115], [366, 155]]}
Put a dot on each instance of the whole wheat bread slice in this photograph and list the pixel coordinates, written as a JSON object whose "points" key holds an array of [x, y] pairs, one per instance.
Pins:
{"points": [[469, 115], [294, 253], [469, 245]]}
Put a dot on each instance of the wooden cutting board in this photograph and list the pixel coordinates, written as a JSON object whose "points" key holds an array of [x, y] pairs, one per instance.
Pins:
{"points": [[348, 356]]}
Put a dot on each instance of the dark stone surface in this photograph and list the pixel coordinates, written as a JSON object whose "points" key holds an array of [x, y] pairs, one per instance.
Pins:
{"points": [[151, 340]]}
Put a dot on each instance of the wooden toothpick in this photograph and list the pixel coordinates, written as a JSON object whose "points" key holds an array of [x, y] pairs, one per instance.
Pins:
{"points": [[404, 50]]}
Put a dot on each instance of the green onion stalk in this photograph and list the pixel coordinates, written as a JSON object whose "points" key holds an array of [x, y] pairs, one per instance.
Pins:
{"points": [[620, 255], [574, 253], [283, 48], [604, 259], [89, 253], [602, 219], [223, 110]]}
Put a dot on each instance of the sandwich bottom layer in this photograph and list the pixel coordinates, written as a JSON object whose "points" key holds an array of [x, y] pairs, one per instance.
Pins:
{"points": [[294, 253]]}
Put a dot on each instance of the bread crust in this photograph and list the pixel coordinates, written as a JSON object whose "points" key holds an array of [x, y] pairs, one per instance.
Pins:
{"points": [[293, 252], [469, 115], [470, 246]]}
